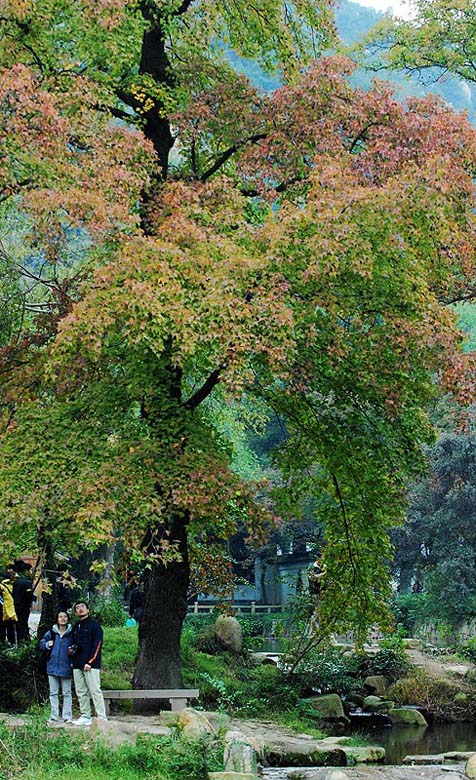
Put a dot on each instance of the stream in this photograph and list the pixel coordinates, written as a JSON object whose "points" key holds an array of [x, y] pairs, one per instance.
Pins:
{"points": [[398, 742], [402, 741]]}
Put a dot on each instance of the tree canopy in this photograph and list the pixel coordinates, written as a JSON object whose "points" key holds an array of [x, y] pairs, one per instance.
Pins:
{"points": [[297, 248]]}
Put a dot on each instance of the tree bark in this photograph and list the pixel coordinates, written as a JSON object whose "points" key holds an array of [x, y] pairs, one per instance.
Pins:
{"points": [[49, 603], [106, 581], [154, 62], [160, 627]]}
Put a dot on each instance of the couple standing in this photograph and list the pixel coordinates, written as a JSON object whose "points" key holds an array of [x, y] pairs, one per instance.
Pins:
{"points": [[78, 649]]}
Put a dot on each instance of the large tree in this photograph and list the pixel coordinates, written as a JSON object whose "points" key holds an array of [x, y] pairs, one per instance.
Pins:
{"points": [[295, 249]]}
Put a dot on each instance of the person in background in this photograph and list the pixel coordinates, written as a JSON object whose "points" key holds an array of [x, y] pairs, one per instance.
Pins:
{"points": [[57, 642], [8, 632], [136, 601], [85, 653], [23, 598]]}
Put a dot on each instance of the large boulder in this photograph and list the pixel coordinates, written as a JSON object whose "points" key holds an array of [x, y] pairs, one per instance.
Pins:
{"points": [[193, 724], [228, 632], [406, 716], [470, 767], [376, 704], [240, 754], [367, 754], [458, 670], [295, 752], [376, 684], [327, 707]]}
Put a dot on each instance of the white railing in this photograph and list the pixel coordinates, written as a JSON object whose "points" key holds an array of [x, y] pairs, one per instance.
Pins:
{"points": [[240, 609]]}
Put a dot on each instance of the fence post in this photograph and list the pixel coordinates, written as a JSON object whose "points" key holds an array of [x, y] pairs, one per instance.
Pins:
{"points": [[253, 607], [195, 607]]}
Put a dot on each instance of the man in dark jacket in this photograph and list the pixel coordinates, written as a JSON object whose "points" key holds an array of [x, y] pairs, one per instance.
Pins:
{"points": [[85, 653]]}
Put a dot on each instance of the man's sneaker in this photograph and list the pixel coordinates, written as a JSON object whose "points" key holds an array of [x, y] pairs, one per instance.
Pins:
{"points": [[82, 721], [52, 722]]}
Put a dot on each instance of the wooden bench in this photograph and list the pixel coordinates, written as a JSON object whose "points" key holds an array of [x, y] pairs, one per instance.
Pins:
{"points": [[178, 698]]}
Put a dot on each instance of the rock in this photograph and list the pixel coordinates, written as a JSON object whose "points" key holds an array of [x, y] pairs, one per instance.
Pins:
{"points": [[336, 774], [407, 716], [240, 754], [336, 740], [422, 760], [228, 632], [376, 704], [470, 766], [327, 707], [231, 776], [458, 756], [458, 671], [368, 754], [270, 659], [448, 775], [193, 724], [376, 684], [410, 643], [297, 752], [122, 730]]}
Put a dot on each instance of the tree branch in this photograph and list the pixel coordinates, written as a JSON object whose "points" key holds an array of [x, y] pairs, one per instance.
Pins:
{"points": [[204, 391], [228, 153]]}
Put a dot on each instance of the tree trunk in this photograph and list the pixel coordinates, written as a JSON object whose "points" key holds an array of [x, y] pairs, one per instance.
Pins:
{"points": [[160, 627], [49, 603], [106, 582]]}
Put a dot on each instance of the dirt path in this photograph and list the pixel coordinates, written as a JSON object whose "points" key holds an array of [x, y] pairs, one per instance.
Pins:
{"points": [[444, 667]]}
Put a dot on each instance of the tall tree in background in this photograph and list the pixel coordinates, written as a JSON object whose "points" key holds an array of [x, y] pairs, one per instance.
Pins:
{"points": [[437, 41], [439, 540], [166, 280]]}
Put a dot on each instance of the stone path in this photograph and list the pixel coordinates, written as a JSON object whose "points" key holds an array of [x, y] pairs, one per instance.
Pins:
{"points": [[368, 773], [441, 668]]}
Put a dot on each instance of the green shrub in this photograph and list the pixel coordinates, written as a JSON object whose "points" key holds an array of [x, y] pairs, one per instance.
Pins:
{"points": [[108, 612], [257, 625], [468, 650], [193, 624], [205, 641], [408, 608], [392, 663], [268, 690], [438, 697], [327, 671], [21, 683]]}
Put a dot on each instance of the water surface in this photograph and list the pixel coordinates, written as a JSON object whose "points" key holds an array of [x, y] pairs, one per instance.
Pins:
{"points": [[401, 741]]}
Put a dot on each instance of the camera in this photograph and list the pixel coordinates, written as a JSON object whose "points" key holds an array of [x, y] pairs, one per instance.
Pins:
{"points": [[73, 649]]}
